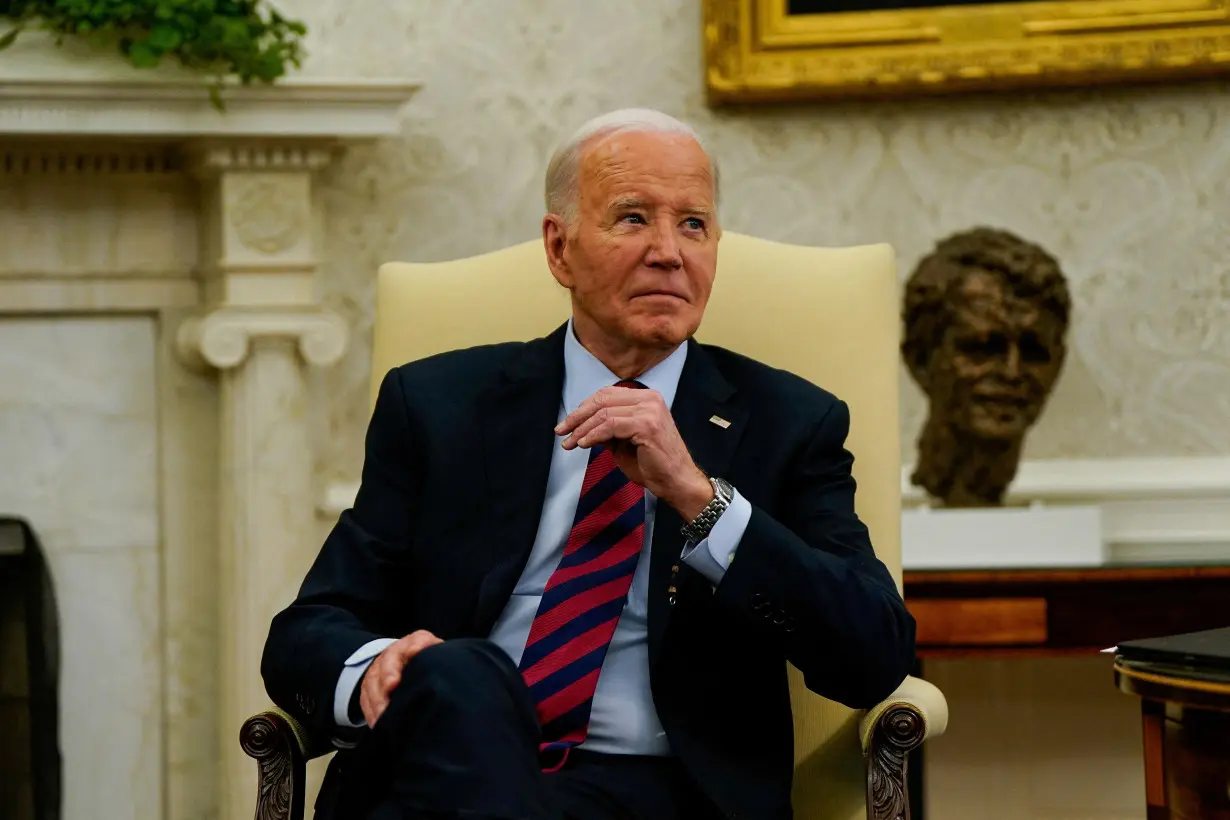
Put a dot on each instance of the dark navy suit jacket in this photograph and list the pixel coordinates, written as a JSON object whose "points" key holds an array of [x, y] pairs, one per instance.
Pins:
{"points": [[457, 456]]}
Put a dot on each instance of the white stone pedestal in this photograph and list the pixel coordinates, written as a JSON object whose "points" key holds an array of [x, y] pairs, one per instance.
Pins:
{"points": [[1002, 537]]}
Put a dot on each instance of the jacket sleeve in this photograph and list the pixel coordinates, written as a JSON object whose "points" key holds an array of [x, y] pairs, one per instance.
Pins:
{"points": [[809, 579], [348, 596]]}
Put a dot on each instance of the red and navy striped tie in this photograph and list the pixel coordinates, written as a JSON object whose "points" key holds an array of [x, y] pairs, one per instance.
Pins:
{"points": [[582, 602]]}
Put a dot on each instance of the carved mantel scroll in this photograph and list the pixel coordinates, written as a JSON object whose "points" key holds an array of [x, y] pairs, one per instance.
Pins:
{"points": [[259, 258], [223, 337]]}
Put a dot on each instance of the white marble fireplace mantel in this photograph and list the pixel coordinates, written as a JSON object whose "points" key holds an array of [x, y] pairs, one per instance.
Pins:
{"points": [[82, 90], [181, 109], [158, 316]]}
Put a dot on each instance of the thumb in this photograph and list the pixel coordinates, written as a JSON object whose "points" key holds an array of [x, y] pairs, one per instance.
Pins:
{"points": [[397, 655]]}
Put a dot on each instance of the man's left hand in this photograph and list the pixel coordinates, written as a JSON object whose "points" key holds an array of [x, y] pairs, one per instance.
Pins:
{"points": [[638, 428]]}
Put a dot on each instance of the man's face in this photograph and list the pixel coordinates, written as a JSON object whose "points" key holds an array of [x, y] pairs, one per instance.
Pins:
{"points": [[998, 361], [640, 255]]}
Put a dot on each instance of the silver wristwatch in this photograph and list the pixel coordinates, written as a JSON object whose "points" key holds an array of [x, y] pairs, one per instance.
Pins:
{"points": [[698, 528]]}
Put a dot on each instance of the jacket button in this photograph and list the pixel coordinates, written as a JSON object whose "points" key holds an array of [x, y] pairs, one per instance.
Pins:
{"points": [[780, 617], [759, 602]]}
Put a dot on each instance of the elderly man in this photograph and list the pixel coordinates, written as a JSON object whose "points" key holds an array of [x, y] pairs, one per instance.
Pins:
{"points": [[576, 567]]}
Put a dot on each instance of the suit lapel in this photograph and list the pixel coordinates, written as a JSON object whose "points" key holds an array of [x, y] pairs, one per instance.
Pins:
{"points": [[518, 416], [702, 394]]}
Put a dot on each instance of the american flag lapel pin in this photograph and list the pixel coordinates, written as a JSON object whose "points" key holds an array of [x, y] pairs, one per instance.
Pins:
{"points": [[719, 421]]}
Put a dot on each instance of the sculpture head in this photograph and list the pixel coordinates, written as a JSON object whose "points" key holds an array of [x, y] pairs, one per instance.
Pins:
{"points": [[986, 315]]}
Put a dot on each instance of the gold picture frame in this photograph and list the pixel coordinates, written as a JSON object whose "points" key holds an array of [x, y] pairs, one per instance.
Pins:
{"points": [[758, 51]]}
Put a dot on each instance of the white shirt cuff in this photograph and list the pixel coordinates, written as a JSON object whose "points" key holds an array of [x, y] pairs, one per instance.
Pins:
{"points": [[713, 555], [352, 672]]}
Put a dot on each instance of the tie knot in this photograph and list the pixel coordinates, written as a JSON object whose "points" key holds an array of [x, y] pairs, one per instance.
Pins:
{"points": [[633, 383]]}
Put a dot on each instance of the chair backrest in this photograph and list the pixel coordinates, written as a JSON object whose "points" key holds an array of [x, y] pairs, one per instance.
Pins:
{"points": [[829, 315]]}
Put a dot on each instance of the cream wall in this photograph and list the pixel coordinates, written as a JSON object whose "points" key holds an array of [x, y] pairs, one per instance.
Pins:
{"points": [[1130, 188]]}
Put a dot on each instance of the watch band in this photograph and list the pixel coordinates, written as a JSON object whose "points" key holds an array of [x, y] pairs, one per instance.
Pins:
{"points": [[698, 528]]}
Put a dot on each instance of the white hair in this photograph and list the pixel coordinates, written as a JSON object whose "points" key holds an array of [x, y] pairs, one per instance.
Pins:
{"points": [[561, 180]]}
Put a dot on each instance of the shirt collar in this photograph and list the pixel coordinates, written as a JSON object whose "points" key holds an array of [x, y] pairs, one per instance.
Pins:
{"points": [[584, 375]]}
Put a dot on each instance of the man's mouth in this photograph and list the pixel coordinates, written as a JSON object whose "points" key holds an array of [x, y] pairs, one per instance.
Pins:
{"points": [[1003, 399], [665, 293]]}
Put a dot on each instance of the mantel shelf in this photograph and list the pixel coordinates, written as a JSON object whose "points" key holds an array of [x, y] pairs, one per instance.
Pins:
{"points": [[78, 91], [180, 110]]}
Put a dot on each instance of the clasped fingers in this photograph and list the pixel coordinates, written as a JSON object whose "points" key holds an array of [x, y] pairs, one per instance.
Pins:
{"points": [[605, 399], [384, 674], [605, 424]]}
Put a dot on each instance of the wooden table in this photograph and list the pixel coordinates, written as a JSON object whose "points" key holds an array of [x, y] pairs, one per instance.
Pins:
{"points": [[1054, 612], [1061, 611], [1186, 741]]}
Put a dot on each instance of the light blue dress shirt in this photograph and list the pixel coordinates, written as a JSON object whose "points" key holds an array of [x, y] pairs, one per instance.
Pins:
{"points": [[622, 719]]}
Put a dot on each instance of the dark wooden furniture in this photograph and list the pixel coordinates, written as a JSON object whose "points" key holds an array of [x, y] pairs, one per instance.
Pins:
{"points": [[1061, 611], [1053, 612], [30, 759], [282, 748], [1186, 721]]}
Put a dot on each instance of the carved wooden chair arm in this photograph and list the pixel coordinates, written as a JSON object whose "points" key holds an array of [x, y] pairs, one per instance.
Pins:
{"points": [[889, 732], [281, 748]]}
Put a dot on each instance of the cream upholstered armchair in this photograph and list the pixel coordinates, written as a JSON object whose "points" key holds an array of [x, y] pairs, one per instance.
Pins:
{"points": [[827, 314]]}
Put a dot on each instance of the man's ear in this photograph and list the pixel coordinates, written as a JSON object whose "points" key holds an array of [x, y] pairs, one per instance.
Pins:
{"points": [[554, 241]]}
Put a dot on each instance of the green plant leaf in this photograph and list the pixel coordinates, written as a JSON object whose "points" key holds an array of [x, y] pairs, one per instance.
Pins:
{"points": [[9, 37], [235, 35], [245, 39], [164, 38], [142, 56]]}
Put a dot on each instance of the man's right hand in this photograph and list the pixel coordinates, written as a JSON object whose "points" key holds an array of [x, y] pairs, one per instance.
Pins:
{"points": [[383, 676]]}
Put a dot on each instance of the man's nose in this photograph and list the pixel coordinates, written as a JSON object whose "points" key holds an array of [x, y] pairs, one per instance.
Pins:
{"points": [[664, 247], [1012, 361]]}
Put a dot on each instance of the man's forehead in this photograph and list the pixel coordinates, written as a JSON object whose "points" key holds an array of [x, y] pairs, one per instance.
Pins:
{"points": [[682, 199], [692, 192], [642, 145], [985, 292], [618, 157], [999, 313]]}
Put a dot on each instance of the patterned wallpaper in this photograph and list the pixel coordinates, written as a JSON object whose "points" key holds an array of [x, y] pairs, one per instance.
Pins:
{"points": [[1129, 188]]}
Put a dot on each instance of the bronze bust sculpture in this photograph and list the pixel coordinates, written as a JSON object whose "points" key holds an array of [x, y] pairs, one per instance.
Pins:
{"points": [[985, 314]]}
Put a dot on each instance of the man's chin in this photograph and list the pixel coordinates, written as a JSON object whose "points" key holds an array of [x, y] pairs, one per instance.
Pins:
{"points": [[660, 333], [1002, 430]]}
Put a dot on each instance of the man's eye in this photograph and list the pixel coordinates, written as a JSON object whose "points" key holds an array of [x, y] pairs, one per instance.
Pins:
{"points": [[634, 218], [694, 223]]}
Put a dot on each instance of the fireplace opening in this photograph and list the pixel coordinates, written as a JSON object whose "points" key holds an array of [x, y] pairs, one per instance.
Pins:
{"points": [[30, 767]]}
